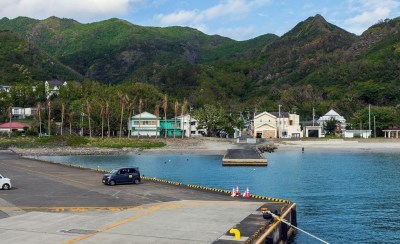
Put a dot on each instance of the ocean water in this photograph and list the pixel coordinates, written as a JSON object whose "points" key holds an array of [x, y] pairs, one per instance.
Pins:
{"points": [[341, 197]]}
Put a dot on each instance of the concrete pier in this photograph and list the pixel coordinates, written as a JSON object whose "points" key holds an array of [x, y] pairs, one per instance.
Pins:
{"points": [[243, 157], [53, 203]]}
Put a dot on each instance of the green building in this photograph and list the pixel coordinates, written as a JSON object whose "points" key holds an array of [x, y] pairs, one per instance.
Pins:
{"points": [[170, 127]]}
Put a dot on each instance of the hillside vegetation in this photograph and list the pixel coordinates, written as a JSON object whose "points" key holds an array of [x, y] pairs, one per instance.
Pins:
{"points": [[316, 64]]}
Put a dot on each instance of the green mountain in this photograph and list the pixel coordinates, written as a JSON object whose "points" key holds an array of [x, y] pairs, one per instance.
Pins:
{"points": [[314, 64], [21, 60]]}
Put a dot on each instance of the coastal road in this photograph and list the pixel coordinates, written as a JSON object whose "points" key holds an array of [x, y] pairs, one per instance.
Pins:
{"points": [[51, 203]]}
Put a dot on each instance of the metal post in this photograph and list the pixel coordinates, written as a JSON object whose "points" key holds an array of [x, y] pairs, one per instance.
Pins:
{"points": [[369, 117], [279, 121], [313, 116]]}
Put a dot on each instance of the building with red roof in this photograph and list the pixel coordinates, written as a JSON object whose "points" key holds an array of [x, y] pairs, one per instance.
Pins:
{"points": [[12, 126]]}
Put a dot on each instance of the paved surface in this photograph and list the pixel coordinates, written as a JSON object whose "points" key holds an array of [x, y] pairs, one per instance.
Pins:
{"points": [[51, 203]]}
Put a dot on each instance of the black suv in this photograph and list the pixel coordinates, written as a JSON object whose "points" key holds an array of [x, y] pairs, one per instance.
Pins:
{"points": [[122, 176]]}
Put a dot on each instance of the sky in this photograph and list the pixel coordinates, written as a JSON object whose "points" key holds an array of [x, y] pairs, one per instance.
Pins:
{"points": [[236, 19]]}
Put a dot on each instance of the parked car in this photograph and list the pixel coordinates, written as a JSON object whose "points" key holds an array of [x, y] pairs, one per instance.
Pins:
{"points": [[5, 183], [126, 175]]}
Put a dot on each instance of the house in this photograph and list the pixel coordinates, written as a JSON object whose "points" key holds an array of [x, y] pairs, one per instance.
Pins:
{"points": [[21, 113], [5, 88], [52, 87], [357, 133], [12, 126], [332, 114], [189, 126], [170, 127], [276, 125], [144, 124]]}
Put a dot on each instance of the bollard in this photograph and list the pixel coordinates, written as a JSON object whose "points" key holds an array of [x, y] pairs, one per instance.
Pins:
{"points": [[236, 232]]}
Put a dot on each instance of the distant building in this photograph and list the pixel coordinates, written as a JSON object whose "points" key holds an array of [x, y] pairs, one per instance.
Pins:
{"points": [[12, 126], [189, 126], [22, 113], [392, 132], [332, 114], [277, 125], [144, 124], [5, 88], [170, 127], [357, 133], [52, 87]]}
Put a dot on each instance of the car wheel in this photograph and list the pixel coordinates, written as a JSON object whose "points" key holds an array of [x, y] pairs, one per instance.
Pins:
{"points": [[112, 183], [6, 187], [136, 181]]}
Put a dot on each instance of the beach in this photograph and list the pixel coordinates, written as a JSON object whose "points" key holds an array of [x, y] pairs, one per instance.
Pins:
{"points": [[361, 145], [219, 146]]}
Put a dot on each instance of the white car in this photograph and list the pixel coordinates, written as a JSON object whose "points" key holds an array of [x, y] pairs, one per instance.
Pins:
{"points": [[5, 183]]}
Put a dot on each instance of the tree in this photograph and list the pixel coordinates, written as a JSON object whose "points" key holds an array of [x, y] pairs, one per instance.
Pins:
{"points": [[70, 120], [140, 115], [122, 101], [39, 117], [89, 111], [176, 109], [165, 106], [330, 126], [384, 118], [157, 114], [183, 113], [62, 117], [48, 117], [211, 117]]}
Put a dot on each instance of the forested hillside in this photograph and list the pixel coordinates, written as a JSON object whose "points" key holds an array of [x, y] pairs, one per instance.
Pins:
{"points": [[316, 64]]}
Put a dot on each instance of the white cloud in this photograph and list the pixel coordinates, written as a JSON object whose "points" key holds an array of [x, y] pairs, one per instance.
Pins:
{"points": [[222, 11], [79, 9], [369, 12]]}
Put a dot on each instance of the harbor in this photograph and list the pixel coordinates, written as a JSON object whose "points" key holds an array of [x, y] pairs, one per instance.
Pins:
{"points": [[53, 203]]}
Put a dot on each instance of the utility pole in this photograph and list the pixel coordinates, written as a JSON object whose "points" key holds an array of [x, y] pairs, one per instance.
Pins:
{"points": [[374, 128], [279, 120], [190, 121], [313, 116], [369, 117]]}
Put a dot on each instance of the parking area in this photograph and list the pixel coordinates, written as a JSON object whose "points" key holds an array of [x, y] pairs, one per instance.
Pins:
{"points": [[51, 203]]}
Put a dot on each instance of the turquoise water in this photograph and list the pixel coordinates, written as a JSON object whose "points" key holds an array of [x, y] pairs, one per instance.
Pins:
{"points": [[341, 197]]}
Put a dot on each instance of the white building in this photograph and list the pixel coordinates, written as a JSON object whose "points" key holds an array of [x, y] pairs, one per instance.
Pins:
{"points": [[144, 124], [357, 133], [189, 126], [332, 114], [277, 125], [52, 87], [21, 113]]}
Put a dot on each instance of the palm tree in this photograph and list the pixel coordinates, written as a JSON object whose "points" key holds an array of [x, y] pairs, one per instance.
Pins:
{"points": [[157, 114], [102, 114], [122, 100], [88, 111], [176, 109], [49, 115], [108, 118], [130, 114], [62, 117], [165, 106], [183, 113], [70, 119], [140, 114], [10, 116], [38, 108]]}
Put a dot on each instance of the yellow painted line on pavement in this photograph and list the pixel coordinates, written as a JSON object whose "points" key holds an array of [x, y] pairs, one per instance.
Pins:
{"points": [[80, 238]]}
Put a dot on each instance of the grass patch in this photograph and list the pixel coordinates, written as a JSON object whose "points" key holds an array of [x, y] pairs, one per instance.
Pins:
{"points": [[126, 143], [77, 141]]}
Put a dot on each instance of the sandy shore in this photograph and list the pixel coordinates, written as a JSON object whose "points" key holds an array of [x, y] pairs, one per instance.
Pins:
{"points": [[215, 146], [372, 145], [206, 146]]}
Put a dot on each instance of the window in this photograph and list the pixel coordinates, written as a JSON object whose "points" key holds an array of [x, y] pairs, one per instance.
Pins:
{"points": [[290, 122], [193, 123]]}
